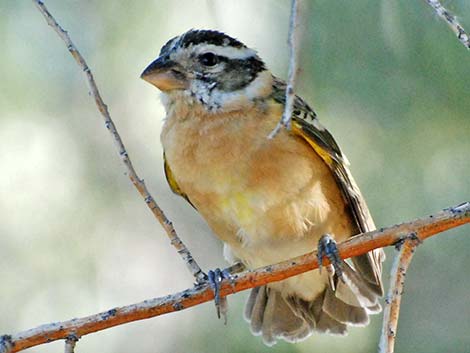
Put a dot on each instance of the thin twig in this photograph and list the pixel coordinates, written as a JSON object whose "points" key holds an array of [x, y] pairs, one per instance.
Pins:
{"points": [[138, 183], [70, 343], [392, 301], [360, 244], [451, 21], [293, 42]]}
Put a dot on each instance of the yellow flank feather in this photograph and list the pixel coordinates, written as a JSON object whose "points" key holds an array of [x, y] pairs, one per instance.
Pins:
{"points": [[172, 181]]}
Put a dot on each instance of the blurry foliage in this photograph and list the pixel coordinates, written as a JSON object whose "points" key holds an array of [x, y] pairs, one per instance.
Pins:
{"points": [[387, 78]]}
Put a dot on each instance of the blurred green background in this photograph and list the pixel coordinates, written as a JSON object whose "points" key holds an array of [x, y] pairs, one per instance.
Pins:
{"points": [[388, 78]]}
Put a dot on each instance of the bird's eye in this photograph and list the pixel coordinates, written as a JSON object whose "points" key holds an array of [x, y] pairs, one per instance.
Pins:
{"points": [[208, 59]]}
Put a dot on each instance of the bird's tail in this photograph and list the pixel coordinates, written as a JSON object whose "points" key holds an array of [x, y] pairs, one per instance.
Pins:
{"points": [[275, 316]]}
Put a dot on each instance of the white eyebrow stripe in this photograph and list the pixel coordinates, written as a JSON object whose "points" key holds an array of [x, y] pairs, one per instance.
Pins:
{"points": [[229, 52]]}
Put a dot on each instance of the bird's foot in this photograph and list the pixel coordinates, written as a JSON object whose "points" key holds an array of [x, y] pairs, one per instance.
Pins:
{"points": [[215, 279], [327, 248]]}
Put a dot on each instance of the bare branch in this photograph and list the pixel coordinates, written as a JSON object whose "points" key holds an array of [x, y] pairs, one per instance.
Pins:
{"points": [[293, 42], [392, 301], [451, 21], [138, 183], [360, 244]]}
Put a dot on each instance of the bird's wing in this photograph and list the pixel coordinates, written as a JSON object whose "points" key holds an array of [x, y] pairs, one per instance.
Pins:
{"points": [[306, 125]]}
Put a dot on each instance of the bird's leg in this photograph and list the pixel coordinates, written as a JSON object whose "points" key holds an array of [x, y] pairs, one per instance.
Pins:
{"points": [[237, 267], [215, 278], [327, 248]]}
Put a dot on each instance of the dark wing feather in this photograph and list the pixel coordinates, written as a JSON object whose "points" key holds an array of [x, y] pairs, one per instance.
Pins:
{"points": [[306, 125]]}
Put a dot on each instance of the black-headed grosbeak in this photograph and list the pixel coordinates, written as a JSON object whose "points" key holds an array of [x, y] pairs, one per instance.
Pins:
{"points": [[268, 200]]}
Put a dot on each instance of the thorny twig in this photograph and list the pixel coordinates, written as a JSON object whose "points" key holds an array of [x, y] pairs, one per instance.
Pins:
{"points": [[355, 246], [400, 265], [138, 183], [293, 42], [451, 21]]}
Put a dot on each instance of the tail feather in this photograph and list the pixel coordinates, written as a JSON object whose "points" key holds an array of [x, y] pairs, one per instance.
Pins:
{"points": [[374, 309], [250, 303], [277, 316], [354, 290], [324, 323], [370, 267], [271, 316], [342, 312], [258, 299]]}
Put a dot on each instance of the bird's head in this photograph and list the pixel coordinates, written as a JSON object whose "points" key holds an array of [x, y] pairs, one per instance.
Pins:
{"points": [[209, 68]]}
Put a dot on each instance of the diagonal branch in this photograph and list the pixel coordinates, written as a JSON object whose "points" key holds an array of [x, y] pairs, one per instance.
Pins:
{"points": [[451, 21], [423, 228], [397, 282], [138, 183]]}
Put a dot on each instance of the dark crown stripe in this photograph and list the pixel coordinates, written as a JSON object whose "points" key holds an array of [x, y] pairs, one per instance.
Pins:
{"points": [[195, 37]]}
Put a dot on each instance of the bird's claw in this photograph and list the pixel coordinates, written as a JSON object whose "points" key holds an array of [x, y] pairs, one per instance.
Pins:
{"points": [[327, 247], [215, 278]]}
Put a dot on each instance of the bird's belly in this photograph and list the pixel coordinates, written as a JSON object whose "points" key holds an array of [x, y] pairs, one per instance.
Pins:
{"points": [[258, 235], [306, 285]]}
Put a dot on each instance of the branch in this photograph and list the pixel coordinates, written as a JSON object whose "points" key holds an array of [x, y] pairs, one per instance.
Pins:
{"points": [[423, 228], [451, 21], [138, 183], [392, 301], [293, 42]]}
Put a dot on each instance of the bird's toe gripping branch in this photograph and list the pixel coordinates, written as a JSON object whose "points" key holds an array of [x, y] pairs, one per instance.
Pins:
{"points": [[215, 278], [327, 248]]}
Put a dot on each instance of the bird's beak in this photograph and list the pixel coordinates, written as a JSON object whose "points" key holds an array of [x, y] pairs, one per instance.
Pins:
{"points": [[165, 75]]}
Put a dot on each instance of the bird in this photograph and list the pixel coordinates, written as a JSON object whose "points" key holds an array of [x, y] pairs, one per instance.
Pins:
{"points": [[267, 199]]}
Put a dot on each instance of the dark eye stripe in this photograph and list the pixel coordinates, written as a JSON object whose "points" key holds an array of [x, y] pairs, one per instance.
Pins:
{"points": [[239, 73]]}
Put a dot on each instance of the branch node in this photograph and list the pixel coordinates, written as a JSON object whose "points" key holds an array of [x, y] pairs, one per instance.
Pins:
{"points": [[124, 154], [178, 306], [108, 314], [72, 337], [412, 237], [459, 209], [70, 342], [6, 344]]}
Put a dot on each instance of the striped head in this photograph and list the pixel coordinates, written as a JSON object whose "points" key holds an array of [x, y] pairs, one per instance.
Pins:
{"points": [[209, 68]]}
